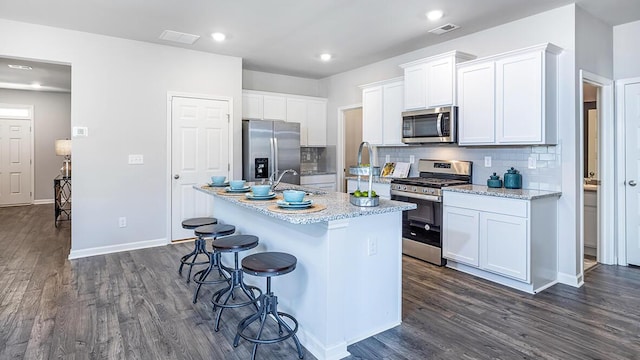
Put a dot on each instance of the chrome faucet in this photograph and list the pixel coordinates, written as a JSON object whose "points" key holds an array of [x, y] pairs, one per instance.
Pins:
{"points": [[275, 183]]}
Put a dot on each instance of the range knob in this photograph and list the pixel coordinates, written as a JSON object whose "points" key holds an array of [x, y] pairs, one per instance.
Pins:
{"points": [[414, 189]]}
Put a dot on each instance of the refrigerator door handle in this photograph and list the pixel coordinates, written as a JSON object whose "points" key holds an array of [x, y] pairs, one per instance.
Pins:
{"points": [[272, 159], [276, 168]]}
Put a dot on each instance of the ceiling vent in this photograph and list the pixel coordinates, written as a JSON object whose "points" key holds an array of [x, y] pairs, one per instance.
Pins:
{"points": [[179, 37], [443, 29]]}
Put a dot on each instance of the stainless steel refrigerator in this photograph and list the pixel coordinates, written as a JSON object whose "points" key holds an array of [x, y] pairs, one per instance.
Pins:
{"points": [[268, 147]]}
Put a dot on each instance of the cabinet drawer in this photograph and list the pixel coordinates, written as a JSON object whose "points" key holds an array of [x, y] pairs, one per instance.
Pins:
{"points": [[317, 179], [498, 205]]}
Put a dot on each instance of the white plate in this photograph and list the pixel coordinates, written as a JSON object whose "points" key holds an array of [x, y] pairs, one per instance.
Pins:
{"points": [[250, 196], [297, 204], [225, 184], [241, 190]]}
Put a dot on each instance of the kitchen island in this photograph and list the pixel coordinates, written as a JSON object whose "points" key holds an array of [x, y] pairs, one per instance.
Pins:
{"points": [[348, 282]]}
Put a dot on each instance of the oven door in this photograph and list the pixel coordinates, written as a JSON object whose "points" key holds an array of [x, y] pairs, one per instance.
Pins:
{"points": [[421, 236]]}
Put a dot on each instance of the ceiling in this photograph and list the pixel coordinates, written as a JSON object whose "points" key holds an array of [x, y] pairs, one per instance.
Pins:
{"points": [[287, 36]]}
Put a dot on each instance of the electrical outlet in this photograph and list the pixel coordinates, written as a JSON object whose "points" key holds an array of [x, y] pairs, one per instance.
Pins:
{"points": [[122, 222], [372, 247], [532, 162], [487, 161], [136, 159], [412, 159], [387, 158]]}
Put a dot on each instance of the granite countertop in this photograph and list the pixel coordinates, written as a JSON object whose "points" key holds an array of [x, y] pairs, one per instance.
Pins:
{"points": [[376, 179], [338, 205], [521, 194]]}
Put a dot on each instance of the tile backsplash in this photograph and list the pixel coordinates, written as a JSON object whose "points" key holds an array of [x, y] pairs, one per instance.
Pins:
{"points": [[317, 159], [546, 175]]}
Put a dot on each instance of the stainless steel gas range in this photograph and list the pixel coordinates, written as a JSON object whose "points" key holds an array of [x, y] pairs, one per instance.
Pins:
{"points": [[421, 235]]}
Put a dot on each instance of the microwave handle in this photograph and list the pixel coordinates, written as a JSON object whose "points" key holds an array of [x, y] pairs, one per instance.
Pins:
{"points": [[439, 124]]}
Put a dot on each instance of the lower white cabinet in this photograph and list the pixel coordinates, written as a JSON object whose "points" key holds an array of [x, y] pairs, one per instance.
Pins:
{"points": [[383, 190], [324, 181], [506, 240]]}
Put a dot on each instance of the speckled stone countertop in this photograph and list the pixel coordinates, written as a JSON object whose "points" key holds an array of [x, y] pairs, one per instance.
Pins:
{"points": [[376, 179], [338, 205], [521, 194]]}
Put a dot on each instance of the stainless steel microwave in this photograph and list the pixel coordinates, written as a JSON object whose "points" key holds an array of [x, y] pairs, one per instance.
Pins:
{"points": [[436, 125]]}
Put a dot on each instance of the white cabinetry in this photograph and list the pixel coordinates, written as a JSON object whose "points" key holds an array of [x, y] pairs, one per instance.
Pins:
{"points": [[312, 116], [324, 181], [509, 99], [591, 222], [383, 190], [430, 82], [310, 112], [509, 241], [382, 112]]}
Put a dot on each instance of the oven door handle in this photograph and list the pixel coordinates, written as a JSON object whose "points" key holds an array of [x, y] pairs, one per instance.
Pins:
{"points": [[411, 195]]}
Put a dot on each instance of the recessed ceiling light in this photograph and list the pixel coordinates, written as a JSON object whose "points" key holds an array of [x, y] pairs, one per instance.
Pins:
{"points": [[36, 85], [435, 15], [20, 67], [325, 57], [217, 36]]}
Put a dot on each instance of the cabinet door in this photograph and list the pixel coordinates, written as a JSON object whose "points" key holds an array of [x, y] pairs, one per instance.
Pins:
{"points": [[519, 99], [275, 107], [393, 98], [476, 109], [297, 112], [440, 82], [415, 87], [372, 115], [316, 123], [460, 240], [252, 106], [504, 242]]}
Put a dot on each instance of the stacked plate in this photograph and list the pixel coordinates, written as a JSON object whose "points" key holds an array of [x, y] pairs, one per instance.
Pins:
{"points": [[269, 196], [295, 204], [224, 184], [239, 190]]}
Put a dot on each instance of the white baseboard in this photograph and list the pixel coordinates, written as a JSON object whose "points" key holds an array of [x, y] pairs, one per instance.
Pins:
{"points": [[43, 201], [319, 350], [571, 280], [101, 250]]}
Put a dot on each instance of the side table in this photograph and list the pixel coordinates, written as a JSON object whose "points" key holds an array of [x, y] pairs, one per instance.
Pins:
{"points": [[62, 193]]}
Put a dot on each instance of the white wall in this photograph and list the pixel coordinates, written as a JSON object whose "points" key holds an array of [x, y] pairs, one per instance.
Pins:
{"points": [[594, 45], [556, 26], [52, 120], [626, 52], [256, 80], [119, 91]]}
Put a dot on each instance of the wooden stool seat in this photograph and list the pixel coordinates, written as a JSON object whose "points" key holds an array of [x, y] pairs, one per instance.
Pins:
{"points": [[214, 230], [215, 264], [235, 243], [199, 221], [269, 264]]}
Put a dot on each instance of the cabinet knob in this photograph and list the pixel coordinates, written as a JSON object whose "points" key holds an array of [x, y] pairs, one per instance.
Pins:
{"points": [[176, 176], [632, 183]]}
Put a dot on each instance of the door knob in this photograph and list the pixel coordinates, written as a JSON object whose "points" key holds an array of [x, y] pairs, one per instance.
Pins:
{"points": [[632, 183], [176, 176]]}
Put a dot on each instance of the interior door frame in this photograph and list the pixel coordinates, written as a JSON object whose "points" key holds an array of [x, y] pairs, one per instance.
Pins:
{"points": [[621, 173], [31, 119], [340, 145], [170, 96]]}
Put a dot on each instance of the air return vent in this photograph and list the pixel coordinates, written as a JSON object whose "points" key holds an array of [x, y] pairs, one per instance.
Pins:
{"points": [[179, 37], [443, 29]]}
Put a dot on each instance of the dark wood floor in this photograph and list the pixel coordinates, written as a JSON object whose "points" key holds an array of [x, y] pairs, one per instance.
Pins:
{"points": [[133, 305]]}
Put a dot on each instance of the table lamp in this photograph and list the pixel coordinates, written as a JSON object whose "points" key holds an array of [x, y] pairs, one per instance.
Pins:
{"points": [[63, 148]]}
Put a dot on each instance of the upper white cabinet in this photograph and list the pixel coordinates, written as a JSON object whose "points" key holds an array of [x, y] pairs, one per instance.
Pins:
{"points": [[509, 99], [310, 112], [382, 104], [430, 82]]}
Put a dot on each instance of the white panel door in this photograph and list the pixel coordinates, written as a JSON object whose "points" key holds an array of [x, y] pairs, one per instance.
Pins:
{"points": [[15, 162], [476, 104], [440, 82], [504, 245], [519, 99], [199, 150], [632, 121], [372, 115], [460, 240], [415, 87], [393, 95]]}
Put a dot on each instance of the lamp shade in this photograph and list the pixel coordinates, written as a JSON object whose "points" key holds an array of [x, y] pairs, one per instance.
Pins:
{"points": [[63, 147]]}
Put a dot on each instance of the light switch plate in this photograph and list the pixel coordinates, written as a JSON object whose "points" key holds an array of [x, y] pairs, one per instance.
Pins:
{"points": [[487, 161], [80, 131], [136, 159], [412, 159], [387, 158], [532, 162]]}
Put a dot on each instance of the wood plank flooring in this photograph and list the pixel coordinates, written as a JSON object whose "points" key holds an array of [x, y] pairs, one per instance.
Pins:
{"points": [[133, 305]]}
